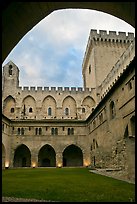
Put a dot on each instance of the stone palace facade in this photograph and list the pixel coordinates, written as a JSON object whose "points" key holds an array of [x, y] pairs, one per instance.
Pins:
{"points": [[93, 125]]}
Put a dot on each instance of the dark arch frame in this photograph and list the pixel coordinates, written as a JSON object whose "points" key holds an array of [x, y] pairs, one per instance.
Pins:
{"points": [[26, 20]]}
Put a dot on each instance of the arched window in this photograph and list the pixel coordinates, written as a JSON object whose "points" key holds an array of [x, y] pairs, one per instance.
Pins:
{"points": [[83, 110], [68, 131], [72, 131], [56, 131], [49, 111], [30, 110], [12, 110], [112, 110], [22, 131], [40, 131], [18, 131], [52, 131], [36, 131], [66, 111]]}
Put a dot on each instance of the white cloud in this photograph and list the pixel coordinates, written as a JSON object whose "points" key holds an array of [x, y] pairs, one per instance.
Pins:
{"points": [[51, 53]]}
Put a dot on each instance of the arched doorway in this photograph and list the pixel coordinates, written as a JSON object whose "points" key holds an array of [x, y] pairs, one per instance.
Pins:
{"points": [[72, 156], [47, 156], [22, 157], [3, 156]]}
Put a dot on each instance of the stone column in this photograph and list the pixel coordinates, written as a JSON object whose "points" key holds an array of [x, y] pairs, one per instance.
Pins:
{"points": [[34, 159], [59, 159]]}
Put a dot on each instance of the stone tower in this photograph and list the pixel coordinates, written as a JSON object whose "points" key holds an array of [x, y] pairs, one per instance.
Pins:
{"points": [[10, 79], [102, 53]]}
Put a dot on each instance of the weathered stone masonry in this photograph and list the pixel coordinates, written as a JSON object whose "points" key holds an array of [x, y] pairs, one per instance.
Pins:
{"points": [[63, 126]]}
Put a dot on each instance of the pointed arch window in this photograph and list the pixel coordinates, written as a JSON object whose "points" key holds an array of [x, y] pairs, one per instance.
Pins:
{"points": [[49, 111]]}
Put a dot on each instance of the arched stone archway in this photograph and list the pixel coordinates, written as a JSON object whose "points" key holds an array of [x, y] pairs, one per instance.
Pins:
{"points": [[33, 12], [47, 156], [72, 156], [22, 157]]}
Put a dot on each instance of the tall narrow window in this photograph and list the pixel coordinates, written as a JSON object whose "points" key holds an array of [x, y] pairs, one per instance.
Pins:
{"points": [[89, 69], [72, 131], [66, 111], [40, 131], [10, 69], [132, 123], [112, 110], [83, 110], [3, 127], [36, 131], [52, 131], [49, 111], [56, 131], [18, 131], [22, 131], [68, 131]]}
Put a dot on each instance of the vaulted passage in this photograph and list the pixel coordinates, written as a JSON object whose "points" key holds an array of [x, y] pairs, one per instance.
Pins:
{"points": [[47, 157], [22, 157], [72, 156]]}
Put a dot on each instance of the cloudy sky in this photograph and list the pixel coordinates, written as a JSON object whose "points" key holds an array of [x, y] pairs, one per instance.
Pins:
{"points": [[51, 54]]}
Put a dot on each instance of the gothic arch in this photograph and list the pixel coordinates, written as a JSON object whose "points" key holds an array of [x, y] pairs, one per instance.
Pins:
{"points": [[49, 106], [9, 106], [70, 105], [72, 156], [47, 156], [22, 156], [88, 103], [29, 106]]}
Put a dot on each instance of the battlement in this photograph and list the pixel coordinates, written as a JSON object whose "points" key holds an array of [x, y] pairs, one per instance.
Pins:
{"points": [[111, 36], [103, 36], [55, 89]]}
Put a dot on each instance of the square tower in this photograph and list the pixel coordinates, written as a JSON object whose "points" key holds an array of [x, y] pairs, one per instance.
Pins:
{"points": [[102, 53]]}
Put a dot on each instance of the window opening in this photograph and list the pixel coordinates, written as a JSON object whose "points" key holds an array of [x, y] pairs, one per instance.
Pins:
{"points": [[49, 111], [66, 111]]}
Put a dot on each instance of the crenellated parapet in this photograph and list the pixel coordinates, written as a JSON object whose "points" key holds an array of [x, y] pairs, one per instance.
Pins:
{"points": [[111, 36], [103, 38], [55, 89]]}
